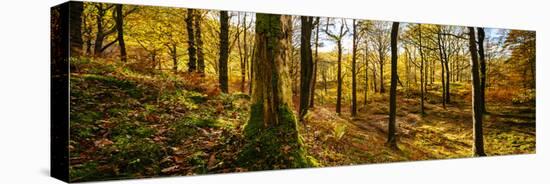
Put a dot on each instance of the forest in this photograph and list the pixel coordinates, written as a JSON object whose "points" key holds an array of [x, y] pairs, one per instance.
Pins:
{"points": [[161, 91]]}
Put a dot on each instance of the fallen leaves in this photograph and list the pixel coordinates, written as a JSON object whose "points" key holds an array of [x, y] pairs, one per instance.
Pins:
{"points": [[102, 143]]}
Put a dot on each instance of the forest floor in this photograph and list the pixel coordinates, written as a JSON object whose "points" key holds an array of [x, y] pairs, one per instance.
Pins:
{"points": [[133, 123]]}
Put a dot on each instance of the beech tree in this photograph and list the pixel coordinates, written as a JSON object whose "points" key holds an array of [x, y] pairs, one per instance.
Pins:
{"points": [[306, 64], [353, 71], [337, 38], [224, 51], [120, 32], [392, 142], [477, 113], [191, 50], [271, 132]]}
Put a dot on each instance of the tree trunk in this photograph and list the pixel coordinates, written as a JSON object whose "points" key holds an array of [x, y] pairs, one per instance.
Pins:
{"points": [[224, 50], [392, 142], [244, 58], [366, 72], [199, 44], [339, 85], [271, 134], [192, 64], [477, 113], [374, 77], [75, 25], [483, 66], [316, 58], [353, 72], [120, 32], [381, 65], [98, 44], [306, 64], [174, 58], [441, 59], [422, 74]]}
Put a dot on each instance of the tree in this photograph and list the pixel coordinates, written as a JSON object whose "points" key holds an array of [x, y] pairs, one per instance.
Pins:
{"points": [[75, 25], [191, 50], [482, 65], [199, 42], [224, 50], [392, 142], [119, 18], [522, 45], [381, 44], [101, 32], [442, 60], [337, 37], [477, 113], [306, 64], [353, 71], [316, 59], [271, 133], [422, 74], [244, 50]]}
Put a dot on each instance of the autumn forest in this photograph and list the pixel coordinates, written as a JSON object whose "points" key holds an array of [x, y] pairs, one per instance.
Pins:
{"points": [[161, 91]]}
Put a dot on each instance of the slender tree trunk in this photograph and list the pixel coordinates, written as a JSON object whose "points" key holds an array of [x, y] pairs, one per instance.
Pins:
{"points": [[374, 77], [192, 52], [120, 32], [199, 44], [224, 50], [339, 87], [422, 74], [353, 72], [98, 44], [477, 113], [306, 64], [441, 58], [271, 134], [174, 53], [245, 58], [366, 72], [392, 142], [381, 65], [483, 66], [316, 58]]}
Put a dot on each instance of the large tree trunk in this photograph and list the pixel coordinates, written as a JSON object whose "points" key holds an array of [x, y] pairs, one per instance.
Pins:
{"points": [[477, 113], [392, 142], [75, 26], [224, 50], [306, 64], [483, 66], [271, 134], [198, 37], [353, 71], [120, 32], [191, 51]]}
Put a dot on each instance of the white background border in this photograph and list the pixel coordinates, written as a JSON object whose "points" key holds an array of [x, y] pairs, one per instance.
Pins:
{"points": [[24, 92]]}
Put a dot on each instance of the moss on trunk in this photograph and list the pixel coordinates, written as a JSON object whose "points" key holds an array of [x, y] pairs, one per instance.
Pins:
{"points": [[275, 146]]}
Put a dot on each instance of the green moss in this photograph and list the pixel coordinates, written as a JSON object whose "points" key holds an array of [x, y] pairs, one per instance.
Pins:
{"points": [[275, 146]]}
